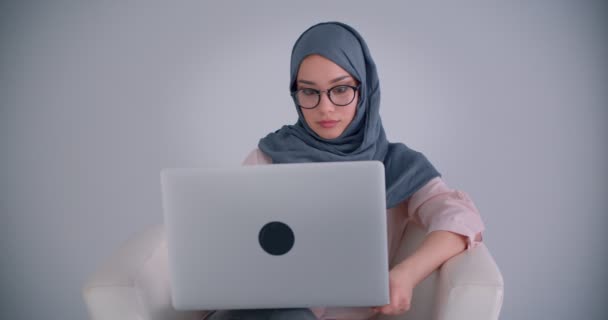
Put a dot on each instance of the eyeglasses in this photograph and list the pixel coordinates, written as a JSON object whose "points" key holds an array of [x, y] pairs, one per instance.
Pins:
{"points": [[341, 96]]}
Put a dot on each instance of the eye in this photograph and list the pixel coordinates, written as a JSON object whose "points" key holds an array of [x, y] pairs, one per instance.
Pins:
{"points": [[341, 89], [309, 92]]}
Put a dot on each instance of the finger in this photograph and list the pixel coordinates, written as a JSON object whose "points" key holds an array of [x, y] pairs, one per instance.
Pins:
{"points": [[396, 308], [388, 310], [384, 309], [402, 309]]}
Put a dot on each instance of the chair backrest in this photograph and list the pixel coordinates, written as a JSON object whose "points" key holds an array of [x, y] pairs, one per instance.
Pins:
{"points": [[133, 283], [154, 288]]}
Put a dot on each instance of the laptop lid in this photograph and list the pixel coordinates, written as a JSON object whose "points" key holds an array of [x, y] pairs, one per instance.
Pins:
{"points": [[277, 236]]}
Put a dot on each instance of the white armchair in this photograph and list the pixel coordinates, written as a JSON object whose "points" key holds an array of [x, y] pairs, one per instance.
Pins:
{"points": [[133, 284]]}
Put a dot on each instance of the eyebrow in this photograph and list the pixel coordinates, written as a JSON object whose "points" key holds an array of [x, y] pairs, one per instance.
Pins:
{"points": [[332, 81]]}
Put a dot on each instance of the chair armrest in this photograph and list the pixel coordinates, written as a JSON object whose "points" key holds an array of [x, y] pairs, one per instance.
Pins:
{"points": [[470, 286], [133, 283], [467, 286]]}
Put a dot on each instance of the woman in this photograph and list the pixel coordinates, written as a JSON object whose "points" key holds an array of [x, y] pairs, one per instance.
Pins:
{"points": [[336, 92]]}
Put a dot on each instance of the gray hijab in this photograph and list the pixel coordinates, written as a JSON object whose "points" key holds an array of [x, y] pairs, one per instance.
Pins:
{"points": [[406, 170]]}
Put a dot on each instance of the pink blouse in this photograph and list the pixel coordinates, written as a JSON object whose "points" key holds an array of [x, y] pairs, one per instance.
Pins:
{"points": [[435, 207]]}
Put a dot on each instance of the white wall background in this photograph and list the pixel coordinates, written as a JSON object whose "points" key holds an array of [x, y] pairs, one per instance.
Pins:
{"points": [[507, 99]]}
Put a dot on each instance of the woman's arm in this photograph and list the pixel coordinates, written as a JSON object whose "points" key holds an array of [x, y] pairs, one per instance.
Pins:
{"points": [[453, 224], [437, 247]]}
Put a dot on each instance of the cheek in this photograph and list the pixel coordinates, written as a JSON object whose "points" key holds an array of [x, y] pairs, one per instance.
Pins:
{"points": [[306, 113], [351, 115], [351, 110]]}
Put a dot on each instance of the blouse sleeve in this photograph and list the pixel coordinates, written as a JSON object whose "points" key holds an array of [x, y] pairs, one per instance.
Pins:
{"points": [[437, 207], [256, 156]]}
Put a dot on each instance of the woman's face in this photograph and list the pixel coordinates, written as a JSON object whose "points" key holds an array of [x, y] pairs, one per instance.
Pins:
{"points": [[327, 120]]}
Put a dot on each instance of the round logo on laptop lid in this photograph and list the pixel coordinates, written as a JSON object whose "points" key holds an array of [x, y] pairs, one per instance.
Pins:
{"points": [[276, 238]]}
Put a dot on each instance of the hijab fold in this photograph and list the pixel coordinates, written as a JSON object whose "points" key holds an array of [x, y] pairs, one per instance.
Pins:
{"points": [[406, 170]]}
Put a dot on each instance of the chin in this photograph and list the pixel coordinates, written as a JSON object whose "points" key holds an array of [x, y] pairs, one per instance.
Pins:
{"points": [[329, 135]]}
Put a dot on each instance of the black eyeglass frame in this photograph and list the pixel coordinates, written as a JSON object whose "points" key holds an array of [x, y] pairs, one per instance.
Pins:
{"points": [[295, 98]]}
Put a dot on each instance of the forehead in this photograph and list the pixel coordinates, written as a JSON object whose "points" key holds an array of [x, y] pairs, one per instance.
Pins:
{"points": [[316, 67]]}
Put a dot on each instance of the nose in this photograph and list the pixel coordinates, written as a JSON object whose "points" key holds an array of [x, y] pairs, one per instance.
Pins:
{"points": [[325, 105]]}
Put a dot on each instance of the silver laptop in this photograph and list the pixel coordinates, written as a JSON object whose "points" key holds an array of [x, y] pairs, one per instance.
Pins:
{"points": [[277, 236]]}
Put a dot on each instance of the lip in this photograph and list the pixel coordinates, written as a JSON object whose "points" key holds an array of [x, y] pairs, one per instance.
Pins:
{"points": [[328, 123]]}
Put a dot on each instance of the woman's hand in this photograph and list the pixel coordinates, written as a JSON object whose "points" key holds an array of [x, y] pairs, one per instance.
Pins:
{"points": [[401, 289]]}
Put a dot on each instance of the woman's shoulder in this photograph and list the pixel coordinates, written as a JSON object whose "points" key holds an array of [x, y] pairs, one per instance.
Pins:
{"points": [[255, 157]]}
